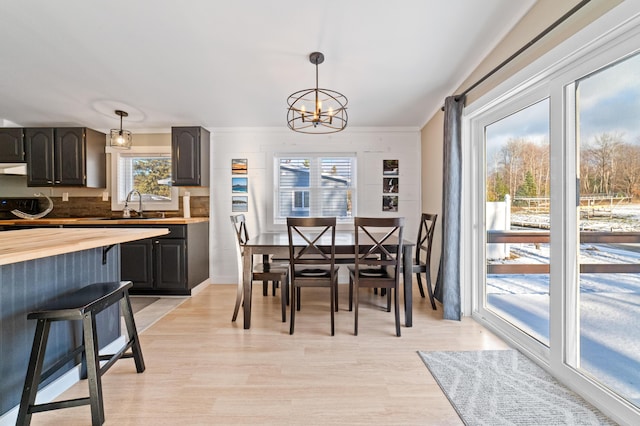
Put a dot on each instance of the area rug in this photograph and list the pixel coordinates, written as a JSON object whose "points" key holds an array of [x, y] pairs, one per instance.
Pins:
{"points": [[503, 387]]}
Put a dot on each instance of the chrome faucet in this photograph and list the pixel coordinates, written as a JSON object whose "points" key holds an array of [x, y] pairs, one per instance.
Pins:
{"points": [[126, 212]]}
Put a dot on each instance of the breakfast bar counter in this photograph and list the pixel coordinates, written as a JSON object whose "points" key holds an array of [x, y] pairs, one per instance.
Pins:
{"points": [[38, 265], [29, 244], [99, 221]]}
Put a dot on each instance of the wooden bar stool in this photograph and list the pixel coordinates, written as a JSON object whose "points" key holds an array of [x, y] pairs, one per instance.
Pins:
{"points": [[83, 304]]}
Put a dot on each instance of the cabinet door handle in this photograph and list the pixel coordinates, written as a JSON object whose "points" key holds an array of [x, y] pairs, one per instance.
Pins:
{"points": [[156, 242], [57, 181]]}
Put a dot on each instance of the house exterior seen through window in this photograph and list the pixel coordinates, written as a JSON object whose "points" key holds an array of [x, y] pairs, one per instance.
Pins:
{"points": [[314, 185]]}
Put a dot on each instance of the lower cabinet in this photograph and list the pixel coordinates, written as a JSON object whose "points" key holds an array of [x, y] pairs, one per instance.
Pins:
{"points": [[171, 264]]}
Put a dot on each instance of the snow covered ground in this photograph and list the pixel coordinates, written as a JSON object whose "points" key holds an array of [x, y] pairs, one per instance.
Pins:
{"points": [[609, 303], [623, 217]]}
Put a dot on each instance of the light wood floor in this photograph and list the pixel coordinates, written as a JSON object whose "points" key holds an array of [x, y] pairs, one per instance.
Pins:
{"points": [[202, 369]]}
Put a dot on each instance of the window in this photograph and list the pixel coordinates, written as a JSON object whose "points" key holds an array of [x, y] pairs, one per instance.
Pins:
{"points": [[314, 185], [147, 171], [301, 201]]}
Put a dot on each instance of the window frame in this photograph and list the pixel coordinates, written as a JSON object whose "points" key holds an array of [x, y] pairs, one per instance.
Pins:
{"points": [[312, 190], [142, 151]]}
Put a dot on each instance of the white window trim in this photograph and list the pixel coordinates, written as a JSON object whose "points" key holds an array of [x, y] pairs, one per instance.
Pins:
{"points": [[275, 222], [612, 36], [116, 205]]}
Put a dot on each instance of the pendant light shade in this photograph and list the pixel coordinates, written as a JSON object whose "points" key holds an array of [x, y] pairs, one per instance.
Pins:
{"points": [[120, 138], [317, 110]]}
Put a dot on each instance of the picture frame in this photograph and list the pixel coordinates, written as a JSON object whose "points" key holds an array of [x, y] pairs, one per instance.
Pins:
{"points": [[389, 203], [240, 184], [390, 167], [239, 203], [239, 166], [390, 185]]}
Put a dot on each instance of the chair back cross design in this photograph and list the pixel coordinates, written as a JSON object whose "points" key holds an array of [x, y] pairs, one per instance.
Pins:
{"points": [[423, 250], [311, 253], [240, 226], [378, 254]]}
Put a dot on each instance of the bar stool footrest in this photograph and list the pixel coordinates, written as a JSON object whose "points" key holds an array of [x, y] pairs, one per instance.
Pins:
{"points": [[68, 403]]}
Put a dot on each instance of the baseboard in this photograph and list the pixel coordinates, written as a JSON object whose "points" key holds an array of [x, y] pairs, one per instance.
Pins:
{"points": [[197, 289]]}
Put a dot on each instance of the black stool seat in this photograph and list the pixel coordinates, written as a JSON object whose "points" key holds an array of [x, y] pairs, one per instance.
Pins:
{"points": [[73, 306], [83, 304]]}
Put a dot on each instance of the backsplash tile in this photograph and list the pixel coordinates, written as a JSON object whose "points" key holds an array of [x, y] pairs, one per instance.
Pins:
{"points": [[95, 207]]}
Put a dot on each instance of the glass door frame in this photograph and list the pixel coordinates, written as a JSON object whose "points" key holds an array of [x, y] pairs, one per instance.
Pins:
{"points": [[607, 40], [476, 131]]}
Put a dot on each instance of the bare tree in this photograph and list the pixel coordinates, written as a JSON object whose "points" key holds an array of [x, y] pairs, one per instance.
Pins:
{"points": [[627, 176], [600, 156]]}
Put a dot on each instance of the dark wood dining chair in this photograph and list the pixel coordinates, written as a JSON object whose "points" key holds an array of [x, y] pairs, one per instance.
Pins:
{"points": [[378, 263], [423, 251], [277, 272], [312, 264]]}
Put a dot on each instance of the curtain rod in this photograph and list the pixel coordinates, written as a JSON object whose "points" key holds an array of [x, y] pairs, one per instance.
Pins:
{"points": [[523, 48]]}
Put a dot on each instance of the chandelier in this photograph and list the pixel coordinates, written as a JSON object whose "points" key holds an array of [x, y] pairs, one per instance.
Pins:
{"points": [[121, 138], [317, 110]]}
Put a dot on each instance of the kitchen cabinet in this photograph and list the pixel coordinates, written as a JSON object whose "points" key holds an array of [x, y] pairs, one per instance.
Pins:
{"points": [[170, 264], [190, 148], [11, 145], [66, 156], [136, 263]]}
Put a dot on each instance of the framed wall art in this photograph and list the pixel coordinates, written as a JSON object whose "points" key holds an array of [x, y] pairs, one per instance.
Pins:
{"points": [[390, 167], [239, 203], [239, 166], [389, 203], [239, 184], [390, 185]]}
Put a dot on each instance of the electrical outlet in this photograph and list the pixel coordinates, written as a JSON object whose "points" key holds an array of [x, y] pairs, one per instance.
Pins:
{"points": [[65, 196], [105, 196]]}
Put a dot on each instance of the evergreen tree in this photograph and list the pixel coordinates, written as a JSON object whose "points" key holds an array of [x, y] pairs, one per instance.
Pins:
{"points": [[528, 187]]}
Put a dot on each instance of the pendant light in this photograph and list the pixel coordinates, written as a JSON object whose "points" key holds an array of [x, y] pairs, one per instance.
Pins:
{"points": [[120, 138]]}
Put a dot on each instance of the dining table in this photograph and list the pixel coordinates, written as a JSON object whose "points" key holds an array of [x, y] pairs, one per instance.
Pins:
{"points": [[276, 243]]}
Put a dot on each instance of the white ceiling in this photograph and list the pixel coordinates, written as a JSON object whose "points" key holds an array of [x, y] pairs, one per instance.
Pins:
{"points": [[233, 63]]}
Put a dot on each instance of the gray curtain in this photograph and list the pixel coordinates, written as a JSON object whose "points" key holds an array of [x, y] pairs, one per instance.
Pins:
{"points": [[447, 288]]}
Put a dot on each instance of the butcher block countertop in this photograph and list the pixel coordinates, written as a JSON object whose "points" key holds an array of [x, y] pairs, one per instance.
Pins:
{"points": [[28, 244], [103, 221]]}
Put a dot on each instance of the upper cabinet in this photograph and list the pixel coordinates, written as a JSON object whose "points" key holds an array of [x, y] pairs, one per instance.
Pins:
{"points": [[11, 145], [190, 156], [66, 156]]}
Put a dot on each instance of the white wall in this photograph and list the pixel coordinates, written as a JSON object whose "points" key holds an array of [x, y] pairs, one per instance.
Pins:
{"points": [[258, 146]]}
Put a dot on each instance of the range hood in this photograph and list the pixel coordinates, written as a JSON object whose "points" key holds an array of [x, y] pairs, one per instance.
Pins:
{"points": [[13, 169]]}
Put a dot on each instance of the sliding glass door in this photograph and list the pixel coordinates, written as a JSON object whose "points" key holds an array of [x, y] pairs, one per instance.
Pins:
{"points": [[608, 215], [517, 207], [554, 245]]}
